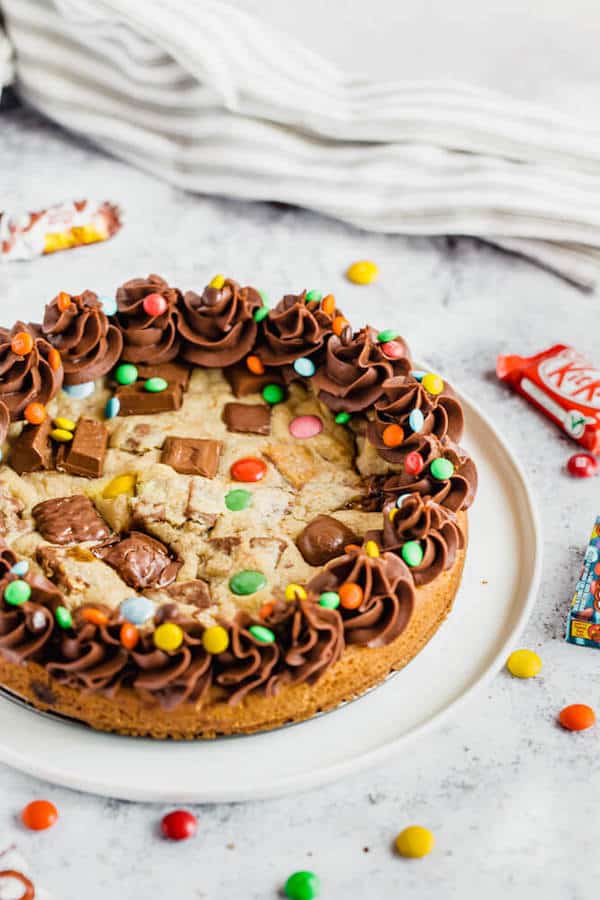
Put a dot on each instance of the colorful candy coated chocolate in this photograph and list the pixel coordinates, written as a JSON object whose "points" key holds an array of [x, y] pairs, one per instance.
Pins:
{"points": [[261, 313], [129, 636], [63, 301], [247, 582], [112, 408], [63, 617], [20, 568], [295, 591], [328, 304], [524, 664], [412, 554], [168, 637], [39, 815], [109, 305], [372, 549], [248, 469], [414, 463], [273, 393], [305, 427], [329, 599], [94, 616], [304, 367], [126, 373], [154, 305], [217, 282], [65, 424], [302, 886], [416, 420], [254, 365], [315, 296], [156, 385], [415, 842], [387, 335], [179, 825], [577, 717], [583, 465], [122, 484], [393, 349], [442, 469], [418, 374], [80, 391], [215, 639], [137, 610], [393, 435], [262, 634], [54, 359], [342, 418], [61, 435], [338, 324], [432, 383], [17, 592], [22, 343], [351, 595], [362, 272], [238, 499], [35, 413], [266, 610]]}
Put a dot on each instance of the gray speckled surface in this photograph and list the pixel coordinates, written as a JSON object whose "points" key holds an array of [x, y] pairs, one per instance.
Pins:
{"points": [[512, 799]]}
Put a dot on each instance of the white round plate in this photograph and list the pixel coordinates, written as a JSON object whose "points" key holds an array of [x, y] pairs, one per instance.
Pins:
{"points": [[358, 734]]}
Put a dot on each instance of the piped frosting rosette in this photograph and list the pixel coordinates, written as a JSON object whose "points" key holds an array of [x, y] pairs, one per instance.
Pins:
{"points": [[147, 316], [355, 367], [30, 368], [218, 327], [89, 345], [387, 590], [293, 329], [25, 630], [456, 491]]}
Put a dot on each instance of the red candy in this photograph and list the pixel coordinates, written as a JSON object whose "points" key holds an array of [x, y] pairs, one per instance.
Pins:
{"points": [[248, 469], [413, 463], [154, 305], [563, 385], [179, 825], [39, 815], [393, 349], [583, 465]]}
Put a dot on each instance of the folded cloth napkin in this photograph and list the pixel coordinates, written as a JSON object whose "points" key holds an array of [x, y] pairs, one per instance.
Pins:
{"points": [[216, 99]]}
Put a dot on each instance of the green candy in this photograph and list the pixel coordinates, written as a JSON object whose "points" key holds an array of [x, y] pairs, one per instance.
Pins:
{"points": [[261, 313], [273, 393], [302, 886], [342, 418], [329, 599], [317, 296], [63, 617], [126, 373], [247, 582], [238, 499], [262, 634], [412, 554], [442, 469], [17, 592], [264, 297], [156, 385], [387, 335]]}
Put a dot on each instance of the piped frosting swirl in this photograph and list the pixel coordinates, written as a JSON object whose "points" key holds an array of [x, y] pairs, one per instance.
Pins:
{"points": [[148, 337], [27, 377], [294, 328]]}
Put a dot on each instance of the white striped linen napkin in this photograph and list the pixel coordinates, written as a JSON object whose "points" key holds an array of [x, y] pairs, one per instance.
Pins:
{"points": [[217, 100]]}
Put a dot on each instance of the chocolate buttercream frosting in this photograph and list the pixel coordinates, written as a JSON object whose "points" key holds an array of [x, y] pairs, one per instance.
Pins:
{"points": [[323, 539], [248, 663], [89, 345], [4, 421], [148, 338], [388, 595], [140, 560], [293, 328], [28, 377], [355, 367], [217, 326], [454, 493]]}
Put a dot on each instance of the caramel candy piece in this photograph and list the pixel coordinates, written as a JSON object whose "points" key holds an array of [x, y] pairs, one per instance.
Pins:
{"points": [[248, 418], [323, 539], [84, 455], [140, 560], [135, 401], [192, 456], [69, 520], [174, 373], [244, 382], [32, 450]]}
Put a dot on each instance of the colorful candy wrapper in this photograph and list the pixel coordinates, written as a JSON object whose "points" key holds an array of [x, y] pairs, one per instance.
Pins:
{"points": [[61, 227], [563, 385], [583, 623]]}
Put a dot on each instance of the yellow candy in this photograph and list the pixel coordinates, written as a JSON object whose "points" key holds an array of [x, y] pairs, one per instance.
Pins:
{"points": [[524, 664], [217, 282], [61, 435], [215, 639], [122, 484], [432, 383], [415, 842], [362, 272], [65, 424], [393, 513], [294, 591], [371, 549], [168, 636]]}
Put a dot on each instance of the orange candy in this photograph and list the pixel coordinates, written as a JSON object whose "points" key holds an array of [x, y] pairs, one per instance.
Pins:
{"points": [[577, 717], [39, 814], [266, 610], [94, 616], [129, 635], [339, 323], [349, 548], [351, 595], [35, 413], [254, 365], [328, 304], [54, 360], [22, 343], [393, 435], [63, 301]]}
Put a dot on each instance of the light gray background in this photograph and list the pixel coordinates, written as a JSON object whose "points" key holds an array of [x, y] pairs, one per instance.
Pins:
{"points": [[512, 799]]}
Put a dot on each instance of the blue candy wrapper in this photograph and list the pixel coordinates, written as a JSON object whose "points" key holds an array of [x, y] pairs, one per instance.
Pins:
{"points": [[583, 623]]}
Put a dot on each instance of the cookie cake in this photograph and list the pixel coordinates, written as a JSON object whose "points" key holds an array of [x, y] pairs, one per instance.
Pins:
{"points": [[218, 517]]}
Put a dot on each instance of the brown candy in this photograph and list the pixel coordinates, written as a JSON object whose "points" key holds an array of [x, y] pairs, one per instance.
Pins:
{"points": [[84, 455], [248, 418], [192, 456], [32, 450], [140, 560], [323, 539], [243, 382], [134, 400], [69, 520]]}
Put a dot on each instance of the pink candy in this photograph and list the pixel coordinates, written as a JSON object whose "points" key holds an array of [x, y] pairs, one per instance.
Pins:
{"points": [[306, 426], [393, 349], [154, 305]]}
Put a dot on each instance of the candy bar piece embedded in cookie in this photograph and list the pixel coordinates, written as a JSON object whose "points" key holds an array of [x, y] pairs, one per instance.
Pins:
{"points": [[32, 450], [247, 418], [192, 456], [69, 520], [85, 454]]}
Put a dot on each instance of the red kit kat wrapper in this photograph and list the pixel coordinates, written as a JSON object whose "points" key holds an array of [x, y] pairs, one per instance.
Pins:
{"points": [[563, 385]]}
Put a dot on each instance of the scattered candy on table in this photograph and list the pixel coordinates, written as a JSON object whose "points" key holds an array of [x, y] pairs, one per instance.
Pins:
{"points": [[583, 465], [303, 427], [302, 886], [247, 582], [362, 272], [248, 469], [524, 664], [577, 717], [179, 825], [39, 815], [415, 842]]}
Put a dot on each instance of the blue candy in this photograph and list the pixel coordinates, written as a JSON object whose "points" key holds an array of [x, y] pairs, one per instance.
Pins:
{"points": [[401, 499], [304, 366], [79, 391], [418, 374], [109, 305], [416, 420], [137, 610], [20, 568], [112, 408]]}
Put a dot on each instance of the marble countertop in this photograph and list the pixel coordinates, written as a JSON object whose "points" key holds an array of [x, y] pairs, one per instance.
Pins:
{"points": [[512, 799]]}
